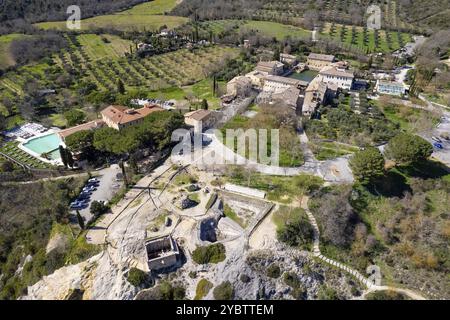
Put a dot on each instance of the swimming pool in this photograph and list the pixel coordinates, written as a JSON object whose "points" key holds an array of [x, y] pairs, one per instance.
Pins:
{"points": [[45, 144]]}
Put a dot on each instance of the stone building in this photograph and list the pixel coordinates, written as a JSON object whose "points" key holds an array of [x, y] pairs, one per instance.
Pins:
{"points": [[273, 68], [317, 61], [162, 253]]}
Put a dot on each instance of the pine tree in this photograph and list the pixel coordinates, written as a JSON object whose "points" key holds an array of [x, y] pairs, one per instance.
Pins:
{"points": [[80, 220]]}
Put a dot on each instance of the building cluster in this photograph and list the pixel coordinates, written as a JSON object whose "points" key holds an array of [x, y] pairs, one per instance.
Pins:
{"points": [[269, 80]]}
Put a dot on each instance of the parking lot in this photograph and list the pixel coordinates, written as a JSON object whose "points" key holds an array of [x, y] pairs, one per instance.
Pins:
{"points": [[106, 187], [441, 130]]}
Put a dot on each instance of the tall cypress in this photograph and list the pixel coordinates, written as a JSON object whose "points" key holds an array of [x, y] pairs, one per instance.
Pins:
{"points": [[63, 154]]}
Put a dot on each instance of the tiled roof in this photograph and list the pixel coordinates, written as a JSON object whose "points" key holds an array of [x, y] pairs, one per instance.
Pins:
{"points": [[82, 127], [122, 115], [321, 57], [197, 115], [333, 71]]}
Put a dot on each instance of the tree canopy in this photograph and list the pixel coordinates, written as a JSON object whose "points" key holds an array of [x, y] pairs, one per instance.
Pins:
{"points": [[154, 132], [367, 165], [406, 149]]}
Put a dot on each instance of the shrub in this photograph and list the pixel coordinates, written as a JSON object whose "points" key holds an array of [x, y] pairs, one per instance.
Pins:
{"points": [[273, 271], [224, 291], [98, 208], [406, 148], [209, 254], [203, 287], [385, 295], [298, 233], [327, 293], [244, 278], [137, 277]]}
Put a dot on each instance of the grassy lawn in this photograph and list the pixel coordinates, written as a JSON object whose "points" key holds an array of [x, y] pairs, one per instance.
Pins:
{"points": [[286, 214], [277, 30], [330, 150], [409, 119], [97, 49], [58, 120], [146, 16], [184, 178], [281, 189], [233, 216], [203, 90]]}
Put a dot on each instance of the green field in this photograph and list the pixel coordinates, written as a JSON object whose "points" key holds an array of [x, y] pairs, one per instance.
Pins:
{"points": [[96, 48], [6, 59], [353, 36], [276, 30], [264, 28], [146, 16]]}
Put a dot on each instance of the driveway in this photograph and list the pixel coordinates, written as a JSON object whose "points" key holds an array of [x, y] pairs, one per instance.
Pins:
{"points": [[105, 190]]}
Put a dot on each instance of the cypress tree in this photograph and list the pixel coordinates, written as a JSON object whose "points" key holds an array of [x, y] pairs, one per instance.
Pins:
{"points": [[63, 154], [80, 220]]}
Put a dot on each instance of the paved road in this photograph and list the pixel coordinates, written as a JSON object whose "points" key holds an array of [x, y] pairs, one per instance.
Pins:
{"points": [[105, 191], [336, 170]]}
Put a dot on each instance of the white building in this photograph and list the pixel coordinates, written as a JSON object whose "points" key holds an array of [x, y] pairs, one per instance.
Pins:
{"points": [[390, 87], [338, 76]]}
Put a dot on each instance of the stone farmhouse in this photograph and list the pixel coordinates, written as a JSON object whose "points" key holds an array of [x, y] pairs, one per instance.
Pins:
{"points": [[273, 68], [200, 119], [239, 87], [119, 117]]}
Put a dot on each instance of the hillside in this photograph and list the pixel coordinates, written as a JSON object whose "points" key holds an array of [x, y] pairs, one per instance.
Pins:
{"points": [[51, 10], [146, 16]]}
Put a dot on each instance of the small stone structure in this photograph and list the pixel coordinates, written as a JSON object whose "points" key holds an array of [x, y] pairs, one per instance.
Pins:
{"points": [[162, 252]]}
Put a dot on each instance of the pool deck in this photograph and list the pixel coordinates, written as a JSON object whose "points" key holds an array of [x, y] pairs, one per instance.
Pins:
{"points": [[34, 154]]}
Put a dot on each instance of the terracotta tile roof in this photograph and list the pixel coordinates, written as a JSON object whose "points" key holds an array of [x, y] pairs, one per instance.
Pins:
{"points": [[321, 57], [337, 72], [122, 114], [198, 115], [82, 127]]}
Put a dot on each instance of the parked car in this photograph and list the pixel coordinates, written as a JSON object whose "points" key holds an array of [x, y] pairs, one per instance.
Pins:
{"points": [[84, 195], [93, 180], [438, 145], [436, 139]]}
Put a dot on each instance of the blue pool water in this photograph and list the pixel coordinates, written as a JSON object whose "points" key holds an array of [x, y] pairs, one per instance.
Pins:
{"points": [[45, 144]]}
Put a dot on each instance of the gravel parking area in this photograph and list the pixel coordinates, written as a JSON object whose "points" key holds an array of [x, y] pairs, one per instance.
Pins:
{"points": [[106, 189]]}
